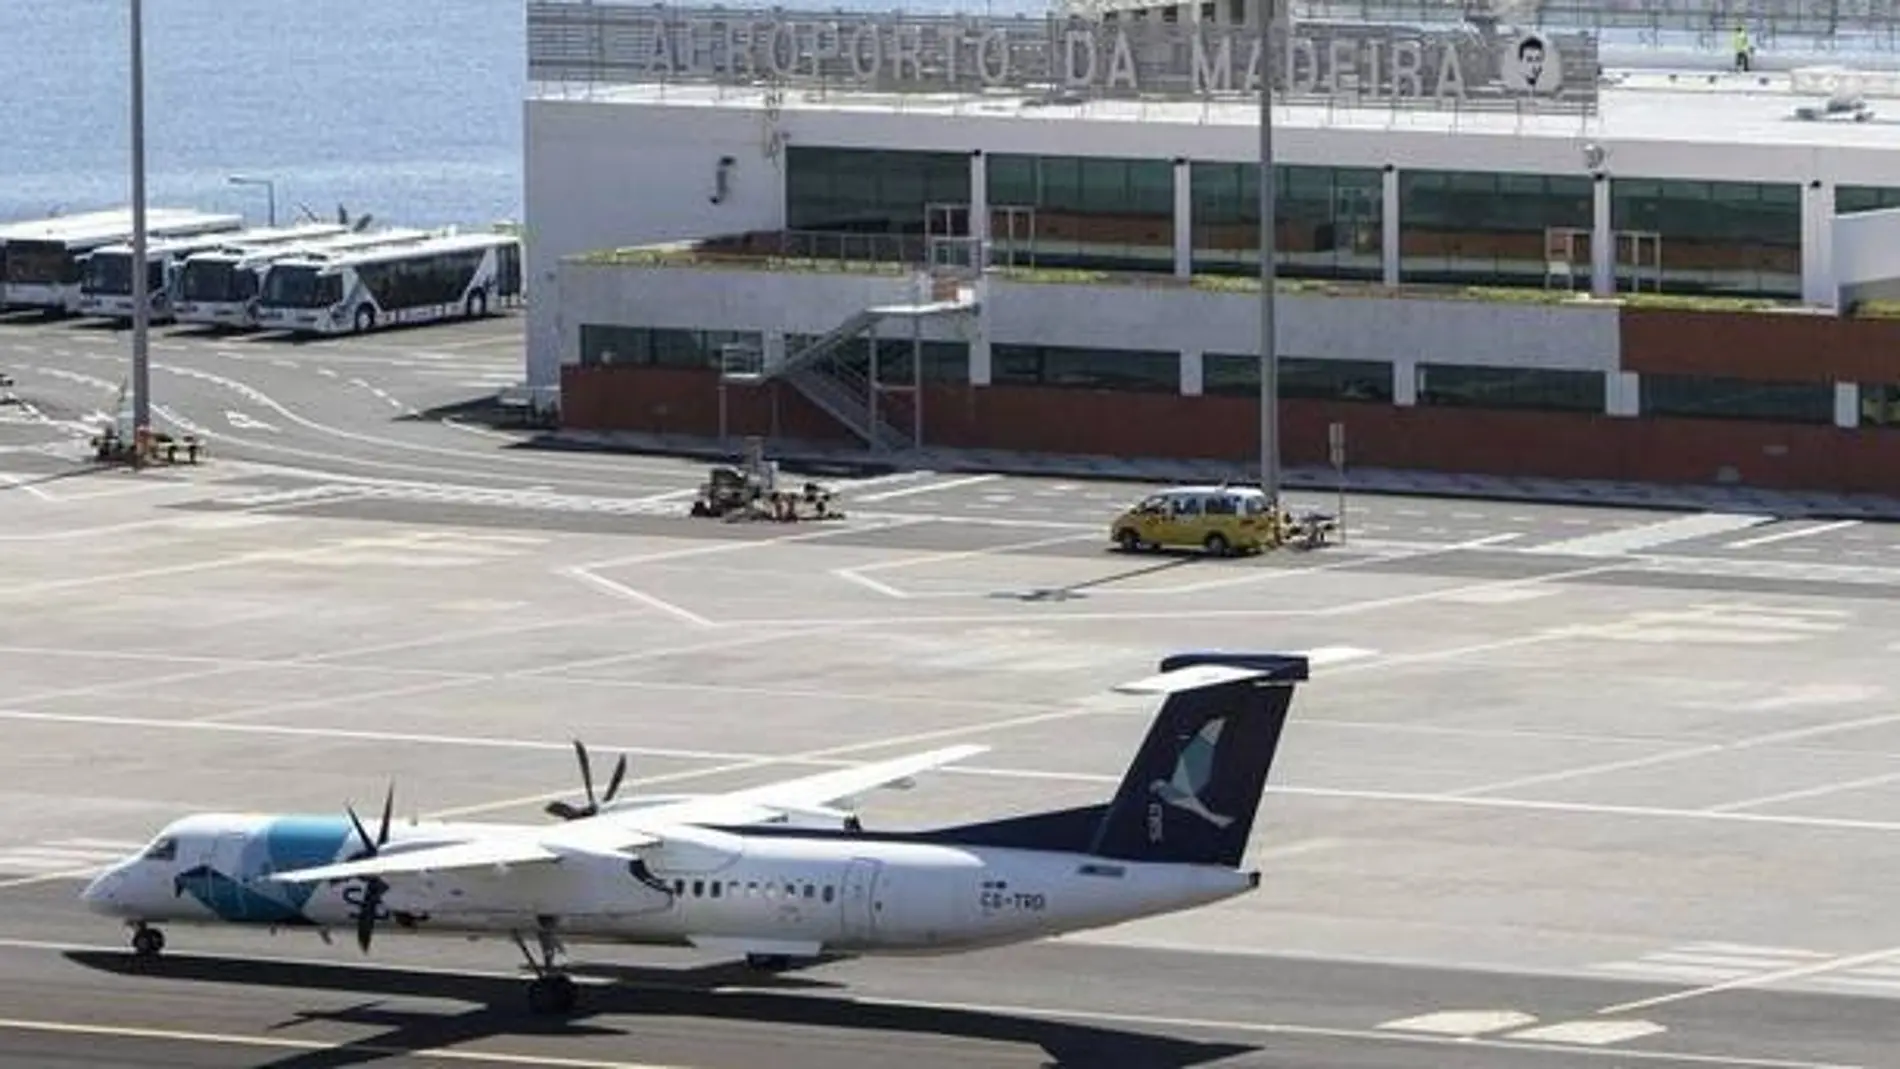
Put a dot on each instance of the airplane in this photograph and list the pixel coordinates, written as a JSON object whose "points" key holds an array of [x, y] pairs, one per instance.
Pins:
{"points": [[775, 873]]}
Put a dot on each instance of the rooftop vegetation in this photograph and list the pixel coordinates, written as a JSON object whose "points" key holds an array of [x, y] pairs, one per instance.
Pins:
{"points": [[697, 255]]}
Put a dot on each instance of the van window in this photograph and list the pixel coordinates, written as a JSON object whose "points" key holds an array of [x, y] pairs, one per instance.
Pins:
{"points": [[1187, 506], [1223, 505]]}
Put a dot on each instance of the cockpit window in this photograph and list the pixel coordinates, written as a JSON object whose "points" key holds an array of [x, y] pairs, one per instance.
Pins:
{"points": [[165, 849]]}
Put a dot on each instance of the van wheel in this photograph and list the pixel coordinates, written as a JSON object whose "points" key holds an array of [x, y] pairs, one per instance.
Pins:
{"points": [[1216, 544], [477, 304], [365, 319], [1128, 540]]}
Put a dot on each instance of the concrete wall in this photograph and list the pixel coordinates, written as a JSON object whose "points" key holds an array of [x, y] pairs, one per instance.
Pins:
{"points": [[1867, 255], [601, 176], [1161, 316]]}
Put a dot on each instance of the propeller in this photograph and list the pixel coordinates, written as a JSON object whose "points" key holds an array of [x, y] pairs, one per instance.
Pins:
{"points": [[569, 811], [375, 885]]}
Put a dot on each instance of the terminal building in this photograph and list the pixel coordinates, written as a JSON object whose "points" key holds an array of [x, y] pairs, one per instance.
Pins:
{"points": [[1497, 252]]}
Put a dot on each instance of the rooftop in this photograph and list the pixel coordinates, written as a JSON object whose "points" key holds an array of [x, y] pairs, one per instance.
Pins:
{"points": [[1687, 106]]}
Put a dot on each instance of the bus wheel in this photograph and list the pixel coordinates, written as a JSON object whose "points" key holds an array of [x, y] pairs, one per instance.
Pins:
{"points": [[365, 318], [477, 304]]}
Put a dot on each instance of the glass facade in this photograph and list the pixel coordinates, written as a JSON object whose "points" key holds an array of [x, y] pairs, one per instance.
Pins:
{"points": [[866, 191], [1511, 387], [658, 346], [1238, 375], [1720, 398], [1490, 229], [944, 361], [1879, 403], [1329, 221], [1734, 238], [1849, 199], [1087, 369], [1084, 212]]}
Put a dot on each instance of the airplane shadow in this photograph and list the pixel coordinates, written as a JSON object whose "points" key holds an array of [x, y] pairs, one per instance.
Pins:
{"points": [[499, 1010]]}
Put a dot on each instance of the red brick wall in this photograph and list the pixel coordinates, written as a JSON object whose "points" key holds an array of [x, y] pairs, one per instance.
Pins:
{"points": [[1550, 444], [1790, 347]]}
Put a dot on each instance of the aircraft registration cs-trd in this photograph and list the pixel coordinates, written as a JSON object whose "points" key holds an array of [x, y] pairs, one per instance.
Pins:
{"points": [[774, 874]]}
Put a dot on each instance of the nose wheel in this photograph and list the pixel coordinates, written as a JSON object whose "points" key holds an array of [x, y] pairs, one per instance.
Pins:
{"points": [[147, 942]]}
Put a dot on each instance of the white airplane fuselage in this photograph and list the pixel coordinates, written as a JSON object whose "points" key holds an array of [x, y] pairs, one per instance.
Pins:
{"points": [[782, 892]]}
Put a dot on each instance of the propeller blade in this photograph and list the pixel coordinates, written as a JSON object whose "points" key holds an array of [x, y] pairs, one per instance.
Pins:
{"points": [[366, 917], [389, 804], [613, 785], [587, 772], [368, 843]]}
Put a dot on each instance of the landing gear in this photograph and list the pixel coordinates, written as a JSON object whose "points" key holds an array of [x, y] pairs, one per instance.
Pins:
{"points": [[551, 992], [147, 942], [768, 962]]}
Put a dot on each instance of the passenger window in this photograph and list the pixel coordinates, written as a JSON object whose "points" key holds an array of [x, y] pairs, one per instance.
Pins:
{"points": [[827, 892], [810, 890], [751, 888], [699, 888], [715, 888], [1187, 506], [1222, 506]]}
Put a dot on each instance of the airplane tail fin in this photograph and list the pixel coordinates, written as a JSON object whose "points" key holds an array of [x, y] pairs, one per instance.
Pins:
{"points": [[1195, 785]]}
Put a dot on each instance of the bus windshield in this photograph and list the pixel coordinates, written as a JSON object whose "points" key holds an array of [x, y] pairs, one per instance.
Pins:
{"points": [[301, 287], [111, 272], [40, 263], [214, 280]]}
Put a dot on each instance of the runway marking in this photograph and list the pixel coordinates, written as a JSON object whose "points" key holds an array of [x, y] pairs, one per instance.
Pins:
{"points": [[1592, 1033], [1462, 1022], [621, 590], [1710, 962], [1650, 535], [22, 482], [318, 703], [1783, 536], [926, 488], [856, 574], [1810, 792], [1797, 972], [280, 1043], [1245, 1027]]}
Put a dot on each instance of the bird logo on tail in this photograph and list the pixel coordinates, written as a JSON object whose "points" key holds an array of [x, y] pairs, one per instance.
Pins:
{"points": [[1193, 769]]}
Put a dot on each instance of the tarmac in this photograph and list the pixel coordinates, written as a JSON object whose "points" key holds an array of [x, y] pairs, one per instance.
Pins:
{"points": [[1570, 786]]}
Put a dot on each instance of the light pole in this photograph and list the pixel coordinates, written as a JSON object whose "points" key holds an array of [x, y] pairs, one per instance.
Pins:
{"points": [[270, 191], [141, 307], [1269, 362]]}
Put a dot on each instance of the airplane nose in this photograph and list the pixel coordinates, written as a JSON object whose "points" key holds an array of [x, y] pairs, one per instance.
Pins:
{"points": [[102, 893]]}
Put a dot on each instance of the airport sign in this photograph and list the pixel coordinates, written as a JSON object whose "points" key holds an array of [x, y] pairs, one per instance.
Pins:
{"points": [[1146, 58]]}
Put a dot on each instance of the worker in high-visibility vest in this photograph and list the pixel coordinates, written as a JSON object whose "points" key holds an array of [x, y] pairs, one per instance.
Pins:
{"points": [[1743, 47]]}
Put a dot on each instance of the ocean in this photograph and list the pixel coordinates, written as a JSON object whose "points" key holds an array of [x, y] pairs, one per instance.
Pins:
{"points": [[406, 109]]}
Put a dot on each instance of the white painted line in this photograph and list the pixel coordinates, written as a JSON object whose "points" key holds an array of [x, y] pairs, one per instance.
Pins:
{"points": [[965, 554], [52, 877], [927, 488], [1591, 1033], [851, 576], [1810, 792], [371, 1049], [1798, 972], [621, 590], [1462, 1022], [1650, 535], [1783, 536], [24, 483]]}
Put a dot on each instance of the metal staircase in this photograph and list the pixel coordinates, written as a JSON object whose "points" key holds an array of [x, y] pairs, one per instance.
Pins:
{"points": [[841, 378]]}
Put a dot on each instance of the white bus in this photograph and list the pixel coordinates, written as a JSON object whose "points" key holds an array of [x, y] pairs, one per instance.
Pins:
{"points": [[220, 287], [45, 264], [105, 284], [451, 275]]}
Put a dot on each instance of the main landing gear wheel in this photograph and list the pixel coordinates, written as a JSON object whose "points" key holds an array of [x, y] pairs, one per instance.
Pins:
{"points": [[552, 994], [147, 942]]}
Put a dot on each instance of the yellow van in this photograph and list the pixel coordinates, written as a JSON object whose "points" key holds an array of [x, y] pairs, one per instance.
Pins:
{"points": [[1218, 519]]}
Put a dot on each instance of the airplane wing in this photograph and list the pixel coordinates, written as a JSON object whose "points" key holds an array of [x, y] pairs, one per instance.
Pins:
{"points": [[831, 788], [623, 834]]}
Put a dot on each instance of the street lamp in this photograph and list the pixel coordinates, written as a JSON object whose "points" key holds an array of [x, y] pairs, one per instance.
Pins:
{"points": [[141, 307], [1269, 362], [270, 190]]}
